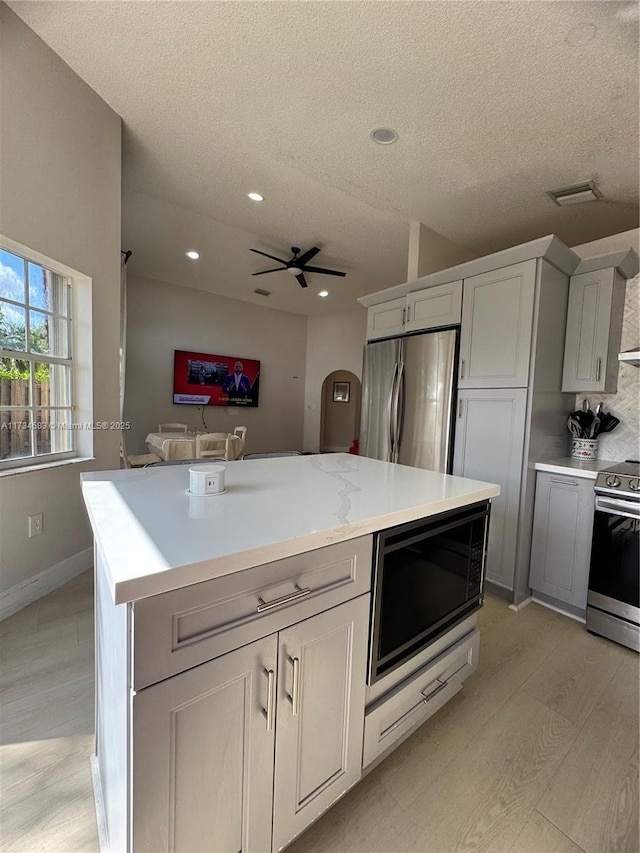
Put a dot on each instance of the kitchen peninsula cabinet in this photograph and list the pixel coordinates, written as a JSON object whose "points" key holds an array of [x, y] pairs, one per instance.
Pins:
{"points": [[291, 690], [232, 637], [561, 546]]}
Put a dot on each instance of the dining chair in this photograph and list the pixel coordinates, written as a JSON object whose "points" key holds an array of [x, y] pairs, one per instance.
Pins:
{"points": [[241, 433], [216, 444], [173, 428], [140, 460]]}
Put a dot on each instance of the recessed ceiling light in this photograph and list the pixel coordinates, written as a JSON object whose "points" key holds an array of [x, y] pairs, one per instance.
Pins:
{"points": [[575, 194], [255, 196], [384, 135], [193, 255], [323, 293]]}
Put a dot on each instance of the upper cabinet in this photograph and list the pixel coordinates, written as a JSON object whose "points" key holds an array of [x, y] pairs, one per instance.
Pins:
{"points": [[497, 317], [594, 329], [430, 308]]}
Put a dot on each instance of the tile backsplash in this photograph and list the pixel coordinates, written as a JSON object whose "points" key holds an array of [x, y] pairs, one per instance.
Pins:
{"points": [[623, 442]]}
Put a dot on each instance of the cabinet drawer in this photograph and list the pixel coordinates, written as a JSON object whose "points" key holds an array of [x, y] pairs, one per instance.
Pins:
{"points": [[413, 701], [180, 629]]}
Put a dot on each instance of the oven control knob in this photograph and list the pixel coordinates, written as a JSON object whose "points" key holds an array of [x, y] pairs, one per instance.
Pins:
{"points": [[634, 484], [613, 482]]}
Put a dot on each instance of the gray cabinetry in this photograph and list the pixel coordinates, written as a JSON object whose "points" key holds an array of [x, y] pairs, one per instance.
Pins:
{"points": [[497, 316], [203, 755], [430, 308], [594, 329], [386, 319], [561, 546], [489, 443], [321, 696], [203, 741]]}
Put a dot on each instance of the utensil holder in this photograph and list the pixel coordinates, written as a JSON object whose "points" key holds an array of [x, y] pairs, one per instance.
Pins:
{"points": [[584, 448]]}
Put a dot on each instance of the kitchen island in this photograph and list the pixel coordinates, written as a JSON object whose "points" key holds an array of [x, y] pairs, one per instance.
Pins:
{"points": [[232, 636]]}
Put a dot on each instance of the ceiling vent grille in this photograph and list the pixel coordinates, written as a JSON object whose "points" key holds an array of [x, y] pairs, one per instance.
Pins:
{"points": [[575, 194], [262, 292]]}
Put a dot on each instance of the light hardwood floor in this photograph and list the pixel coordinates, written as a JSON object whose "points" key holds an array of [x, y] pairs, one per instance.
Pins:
{"points": [[537, 754]]}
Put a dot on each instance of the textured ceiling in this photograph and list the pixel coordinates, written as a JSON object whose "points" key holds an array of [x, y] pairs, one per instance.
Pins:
{"points": [[494, 102]]}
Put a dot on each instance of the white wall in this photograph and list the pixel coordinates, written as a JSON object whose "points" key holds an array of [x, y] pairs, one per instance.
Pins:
{"points": [[163, 317], [334, 342], [60, 172], [623, 442]]}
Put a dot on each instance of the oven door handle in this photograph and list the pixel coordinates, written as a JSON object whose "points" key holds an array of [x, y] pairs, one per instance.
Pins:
{"points": [[618, 506]]}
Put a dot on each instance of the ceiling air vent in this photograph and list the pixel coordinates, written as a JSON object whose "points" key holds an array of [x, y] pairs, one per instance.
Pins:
{"points": [[262, 292], [575, 194]]}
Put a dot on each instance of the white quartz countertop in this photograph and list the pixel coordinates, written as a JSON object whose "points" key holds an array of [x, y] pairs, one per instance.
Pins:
{"points": [[154, 537], [576, 467]]}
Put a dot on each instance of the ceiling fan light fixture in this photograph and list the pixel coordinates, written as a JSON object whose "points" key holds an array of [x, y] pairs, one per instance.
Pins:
{"points": [[384, 135], [255, 196], [575, 194], [193, 255]]}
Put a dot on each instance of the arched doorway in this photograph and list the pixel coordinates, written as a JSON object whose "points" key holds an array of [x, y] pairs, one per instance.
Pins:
{"points": [[340, 411]]}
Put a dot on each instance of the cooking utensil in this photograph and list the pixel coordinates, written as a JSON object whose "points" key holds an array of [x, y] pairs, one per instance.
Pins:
{"points": [[594, 429], [574, 427], [609, 422]]}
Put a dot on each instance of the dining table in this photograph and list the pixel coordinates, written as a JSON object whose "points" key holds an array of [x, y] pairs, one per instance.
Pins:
{"points": [[172, 445]]}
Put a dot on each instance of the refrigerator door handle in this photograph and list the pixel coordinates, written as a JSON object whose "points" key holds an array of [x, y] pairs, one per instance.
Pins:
{"points": [[392, 421], [398, 409]]}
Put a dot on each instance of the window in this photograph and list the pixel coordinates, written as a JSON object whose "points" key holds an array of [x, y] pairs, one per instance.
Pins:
{"points": [[36, 381]]}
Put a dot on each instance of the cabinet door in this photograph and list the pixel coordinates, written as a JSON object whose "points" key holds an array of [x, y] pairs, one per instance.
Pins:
{"points": [[322, 664], [497, 318], [434, 306], [594, 324], [203, 756], [386, 319], [561, 545], [489, 446]]}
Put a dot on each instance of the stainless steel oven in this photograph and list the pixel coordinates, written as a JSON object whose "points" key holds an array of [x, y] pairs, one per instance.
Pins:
{"points": [[613, 599], [428, 577]]}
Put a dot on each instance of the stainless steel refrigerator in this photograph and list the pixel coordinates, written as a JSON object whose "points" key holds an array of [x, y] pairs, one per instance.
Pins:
{"points": [[408, 396]]}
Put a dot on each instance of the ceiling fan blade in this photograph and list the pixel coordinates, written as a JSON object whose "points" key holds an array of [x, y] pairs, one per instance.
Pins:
{"points": [[323, 271], [302, 280], [263, 272], [302, 260], [273, 257]]}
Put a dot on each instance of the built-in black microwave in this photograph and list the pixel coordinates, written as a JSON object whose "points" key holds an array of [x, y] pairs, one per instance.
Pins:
{"points": [[428, 577]]}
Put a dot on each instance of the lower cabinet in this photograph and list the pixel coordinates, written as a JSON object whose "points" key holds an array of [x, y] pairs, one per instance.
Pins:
{"points": [[561, 544], [245, 751], [489, 446]]}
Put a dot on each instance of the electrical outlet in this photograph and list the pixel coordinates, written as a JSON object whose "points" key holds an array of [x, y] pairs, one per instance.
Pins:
{"points": [[35, 524]]}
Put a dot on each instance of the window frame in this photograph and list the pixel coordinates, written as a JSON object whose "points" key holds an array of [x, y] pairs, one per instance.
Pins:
{"points": [[79, 405]]}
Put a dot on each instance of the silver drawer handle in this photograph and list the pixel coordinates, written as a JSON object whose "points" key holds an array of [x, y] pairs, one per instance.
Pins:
{"points": [[441, 685], [285, 599], [412, 711], [598, 369], [271, 683]]}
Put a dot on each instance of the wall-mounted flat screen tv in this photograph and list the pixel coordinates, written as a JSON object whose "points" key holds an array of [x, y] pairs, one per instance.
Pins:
{"points": [[201, 379]]}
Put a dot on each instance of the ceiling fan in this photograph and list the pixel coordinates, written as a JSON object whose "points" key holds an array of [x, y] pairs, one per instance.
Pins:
{"points": [[297, 265]]}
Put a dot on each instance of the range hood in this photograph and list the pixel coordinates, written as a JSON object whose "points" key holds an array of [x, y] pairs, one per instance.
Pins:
{"points": [[630, 357]]}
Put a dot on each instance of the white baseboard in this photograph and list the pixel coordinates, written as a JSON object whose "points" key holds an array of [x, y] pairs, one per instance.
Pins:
{"points": [[523, 604], [33, 588]]}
